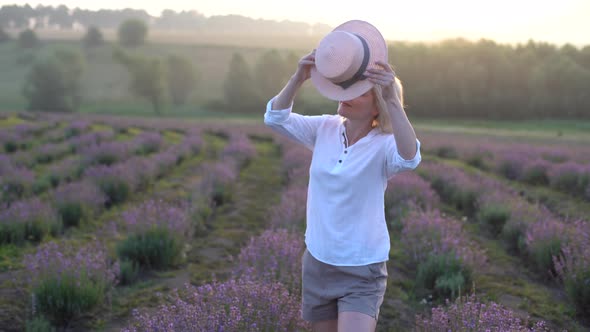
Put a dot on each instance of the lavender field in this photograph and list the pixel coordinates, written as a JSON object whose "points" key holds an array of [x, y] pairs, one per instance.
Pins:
{"points": [[128, 224]]}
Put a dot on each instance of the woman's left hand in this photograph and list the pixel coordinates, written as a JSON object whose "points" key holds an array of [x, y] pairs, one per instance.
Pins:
{"points": [[384, 77]]}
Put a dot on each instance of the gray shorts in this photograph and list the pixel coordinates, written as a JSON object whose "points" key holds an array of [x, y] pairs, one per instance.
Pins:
{"points": [[328, 289]]}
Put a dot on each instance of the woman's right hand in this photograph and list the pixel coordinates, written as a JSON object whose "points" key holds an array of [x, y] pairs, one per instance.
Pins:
{"points": [[304, 66]]}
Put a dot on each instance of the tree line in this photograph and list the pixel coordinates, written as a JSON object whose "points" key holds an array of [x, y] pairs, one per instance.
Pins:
{"points": [[62, 17], [455, 78]]}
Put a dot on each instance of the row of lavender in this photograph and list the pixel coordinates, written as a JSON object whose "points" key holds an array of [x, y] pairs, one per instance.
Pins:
{"points": [[102, 174], [562, 167], [264, 293], [34, 171], [68, 279], [444, 260], [554, 247], [71, 203]]}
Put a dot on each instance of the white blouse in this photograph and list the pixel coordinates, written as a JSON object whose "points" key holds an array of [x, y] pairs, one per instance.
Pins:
{"points": [[345, 200]]}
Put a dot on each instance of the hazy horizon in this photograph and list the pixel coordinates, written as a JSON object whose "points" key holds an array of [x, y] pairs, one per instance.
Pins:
{"points": [[503, 21]]}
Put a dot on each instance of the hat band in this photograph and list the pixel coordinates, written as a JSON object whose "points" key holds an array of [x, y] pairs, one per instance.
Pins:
{"points": [[359, 75]]}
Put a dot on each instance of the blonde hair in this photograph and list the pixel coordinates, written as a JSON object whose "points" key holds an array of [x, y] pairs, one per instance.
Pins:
{"points": [[383, 119]]}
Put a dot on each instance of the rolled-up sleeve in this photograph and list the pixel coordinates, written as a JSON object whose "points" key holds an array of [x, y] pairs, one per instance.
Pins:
{"points": [[302, 129], [396, 163]]}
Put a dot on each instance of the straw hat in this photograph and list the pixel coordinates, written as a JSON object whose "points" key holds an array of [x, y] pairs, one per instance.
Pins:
{"points": [[343, 56]]}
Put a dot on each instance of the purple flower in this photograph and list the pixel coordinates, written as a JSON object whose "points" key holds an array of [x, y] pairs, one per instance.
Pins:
{"points": [[55, 260], [469, 314], [273, 256], [158, 213], [232, 306]]}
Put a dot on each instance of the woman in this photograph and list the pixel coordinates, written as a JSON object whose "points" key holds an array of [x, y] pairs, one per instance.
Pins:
{"points": [[354, 154]]}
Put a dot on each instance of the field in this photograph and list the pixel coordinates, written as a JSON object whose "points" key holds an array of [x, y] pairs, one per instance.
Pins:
{"points": [[105, 83], [135, 208], [197, 217]]}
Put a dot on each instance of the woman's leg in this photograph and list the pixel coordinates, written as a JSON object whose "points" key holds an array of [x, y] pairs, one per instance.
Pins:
{"points": [[325, 326], [350, 321]]}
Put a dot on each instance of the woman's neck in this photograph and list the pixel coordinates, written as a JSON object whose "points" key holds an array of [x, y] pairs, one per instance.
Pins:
{"points": [[355, 130]]}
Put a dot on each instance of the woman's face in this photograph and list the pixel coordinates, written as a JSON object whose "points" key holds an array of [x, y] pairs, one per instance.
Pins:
{"points": [[362, 107]]}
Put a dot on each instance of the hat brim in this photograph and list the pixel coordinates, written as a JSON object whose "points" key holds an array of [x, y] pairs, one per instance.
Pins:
{"points": [[378, 52]]}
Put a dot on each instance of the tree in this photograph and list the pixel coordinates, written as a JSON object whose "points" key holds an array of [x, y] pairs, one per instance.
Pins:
{"points": [[53, 84], [4, 36], [238, 87], [181, 78], [28, 39], [147, 78], [132, 33], [93, 37], [271, 73]]}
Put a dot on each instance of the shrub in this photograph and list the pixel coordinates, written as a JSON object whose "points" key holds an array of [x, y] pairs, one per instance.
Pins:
{"points": [[148, 142], [572, 266], [493, 218], [511, 164], [67, 282], [544, 240], [239, 148], [153, 249], [93, 37], [28, 39], [570, 177], [78, 201], [232, 306], [469, 314], [447, 152], [129, 272], [30, 220], [106, 153], [444, 275], [273, 256], [132, 32], [4, 37], [39, 324], [116, 182], [53, 83], [158, 230], [536, 173], [513, 235], [427, 233], [477, 160], [16, 183]]}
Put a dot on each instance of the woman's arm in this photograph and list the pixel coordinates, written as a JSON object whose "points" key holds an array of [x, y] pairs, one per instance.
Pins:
{"points": [[285, 98], [403, 131]]}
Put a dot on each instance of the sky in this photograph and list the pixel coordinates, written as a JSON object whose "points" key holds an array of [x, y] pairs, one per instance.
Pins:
{"points": [[505, 21]]}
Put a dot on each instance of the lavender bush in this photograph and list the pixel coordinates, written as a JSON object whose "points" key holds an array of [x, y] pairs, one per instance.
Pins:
{"points": [[158, 230], [290, 213], [116, 182], [106, 153], [544, 239], [16, 183], [426, 233], [148, 142], [239, 148], [572, 266], [232, 306], [52, 151], [78, 201], [68, 281], [469, 314], [273, 256], [28, 220]]}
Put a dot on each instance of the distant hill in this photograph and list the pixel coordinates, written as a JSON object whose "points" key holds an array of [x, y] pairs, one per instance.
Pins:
{"points": [[14, 17]]}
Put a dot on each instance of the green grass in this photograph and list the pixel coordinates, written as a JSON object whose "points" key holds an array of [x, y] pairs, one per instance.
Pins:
{"points": [[554, 129]]}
